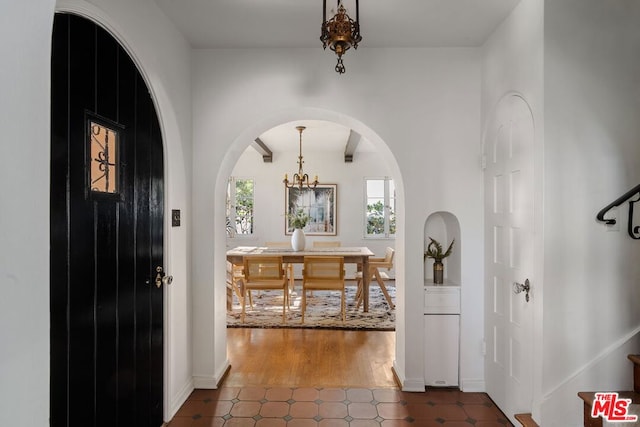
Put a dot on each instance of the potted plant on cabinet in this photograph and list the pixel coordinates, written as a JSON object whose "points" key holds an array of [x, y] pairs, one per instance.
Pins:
{"points": [[434, 250], [298, 221]]}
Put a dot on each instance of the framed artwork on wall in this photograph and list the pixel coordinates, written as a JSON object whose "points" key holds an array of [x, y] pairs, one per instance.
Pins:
{"points": [[319, 204]]}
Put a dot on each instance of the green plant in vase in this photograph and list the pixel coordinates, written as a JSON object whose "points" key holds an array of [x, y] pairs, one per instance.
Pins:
{"points": [[298, 221], [435, 251]]}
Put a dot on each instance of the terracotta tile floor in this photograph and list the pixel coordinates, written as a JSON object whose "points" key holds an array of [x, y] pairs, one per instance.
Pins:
{"points": [[336, 407]]}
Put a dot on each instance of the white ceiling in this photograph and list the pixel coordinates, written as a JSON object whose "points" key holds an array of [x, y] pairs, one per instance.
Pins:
{"points": [[319, 135], [296, 23]]}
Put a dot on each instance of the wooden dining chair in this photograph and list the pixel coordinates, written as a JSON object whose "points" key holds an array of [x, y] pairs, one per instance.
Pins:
{"points": [[264, 272], [326, 244], [288, 267], [235, 276], [323, 273], [375, 264]]}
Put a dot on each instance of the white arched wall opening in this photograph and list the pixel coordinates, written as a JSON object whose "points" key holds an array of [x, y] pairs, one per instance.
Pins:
{"points": [[176, 348], [232, 156]]}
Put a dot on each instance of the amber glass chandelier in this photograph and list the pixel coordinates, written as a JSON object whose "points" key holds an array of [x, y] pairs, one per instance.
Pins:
{"points": [[340, 32], [300, 179]]}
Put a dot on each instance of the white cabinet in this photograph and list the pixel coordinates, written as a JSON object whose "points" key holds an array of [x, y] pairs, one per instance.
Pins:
{"points": [[441, 335], [442, 299]]}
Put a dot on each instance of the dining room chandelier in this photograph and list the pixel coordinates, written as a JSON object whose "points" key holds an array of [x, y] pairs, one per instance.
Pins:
{"points": [[340, 32], [300, 179]]}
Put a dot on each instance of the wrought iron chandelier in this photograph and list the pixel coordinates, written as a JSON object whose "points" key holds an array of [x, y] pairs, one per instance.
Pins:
{"points": [[340, 32], [300, 179]]}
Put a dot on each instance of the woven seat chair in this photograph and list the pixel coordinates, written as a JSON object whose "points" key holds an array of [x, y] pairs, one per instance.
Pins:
{"points": [[323, 273], [375, 264], [235, 276], [262, 273], [288, 267]]}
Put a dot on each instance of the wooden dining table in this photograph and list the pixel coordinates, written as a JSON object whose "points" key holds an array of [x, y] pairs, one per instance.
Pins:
{"points": [[355, 255]]}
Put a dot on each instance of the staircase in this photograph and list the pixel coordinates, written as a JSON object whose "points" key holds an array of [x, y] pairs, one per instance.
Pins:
{"points": [[589, 396], [526, 420]]}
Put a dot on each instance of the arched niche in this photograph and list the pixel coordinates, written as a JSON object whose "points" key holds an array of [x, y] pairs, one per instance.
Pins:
{"points": [[443, 227]]}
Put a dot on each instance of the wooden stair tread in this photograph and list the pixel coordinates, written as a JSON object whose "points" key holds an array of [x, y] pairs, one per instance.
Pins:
{"points": [[526, 420], [589, 396]]}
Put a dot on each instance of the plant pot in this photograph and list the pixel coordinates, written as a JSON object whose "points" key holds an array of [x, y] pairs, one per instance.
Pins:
{"points": [[298, 240], [438, 272]]}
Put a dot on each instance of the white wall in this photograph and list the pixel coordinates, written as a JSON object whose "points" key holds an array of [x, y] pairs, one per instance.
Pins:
{"points": [[420, 107], [25, 49], [592, 156]]}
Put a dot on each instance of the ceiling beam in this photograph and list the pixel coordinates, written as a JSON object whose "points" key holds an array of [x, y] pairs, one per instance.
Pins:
{"points": [[263, 150], [352, 144]]}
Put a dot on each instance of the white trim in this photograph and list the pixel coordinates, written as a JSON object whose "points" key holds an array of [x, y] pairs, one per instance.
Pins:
{"points": [[472, 385], [386, 209], [601, 356], [180, 398], [415, 384], [205, 382], [231, 203], [211, 382]]}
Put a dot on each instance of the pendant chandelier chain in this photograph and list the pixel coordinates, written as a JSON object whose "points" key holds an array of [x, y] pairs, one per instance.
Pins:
{"points": [[300, 179]]}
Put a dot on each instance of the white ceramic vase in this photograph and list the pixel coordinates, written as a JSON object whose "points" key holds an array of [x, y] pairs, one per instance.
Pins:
{"points": [[297, 240]]}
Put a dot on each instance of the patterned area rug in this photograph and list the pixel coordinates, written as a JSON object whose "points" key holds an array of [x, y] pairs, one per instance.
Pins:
{"points": [[323, 311]]}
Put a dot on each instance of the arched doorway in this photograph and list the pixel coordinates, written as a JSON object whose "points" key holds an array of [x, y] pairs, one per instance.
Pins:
{"points": [[107, 223], [231, 156], [163, 76]]}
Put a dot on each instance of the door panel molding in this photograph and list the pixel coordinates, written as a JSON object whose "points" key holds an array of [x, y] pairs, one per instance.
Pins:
{"points": [[509, 218]]}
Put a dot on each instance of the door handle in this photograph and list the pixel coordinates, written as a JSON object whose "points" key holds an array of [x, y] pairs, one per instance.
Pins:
{"points": [[162, 278], [519, 287]]}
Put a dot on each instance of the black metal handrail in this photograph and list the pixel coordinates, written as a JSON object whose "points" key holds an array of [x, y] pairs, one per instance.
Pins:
{"points": [[634, 231]]}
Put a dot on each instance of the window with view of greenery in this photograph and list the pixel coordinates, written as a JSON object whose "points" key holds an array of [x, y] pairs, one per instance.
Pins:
{"points": [[380, 214], [239, 207]]}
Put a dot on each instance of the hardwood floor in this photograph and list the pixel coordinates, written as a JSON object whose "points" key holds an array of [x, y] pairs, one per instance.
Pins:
{"points": [[309, 357], [321, 378]]}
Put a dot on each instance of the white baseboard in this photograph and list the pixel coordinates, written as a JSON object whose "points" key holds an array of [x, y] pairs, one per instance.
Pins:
{"points": [[222, 372], [211, 382], [205, 382], [178, 400], [472, 385], [413, 384]]}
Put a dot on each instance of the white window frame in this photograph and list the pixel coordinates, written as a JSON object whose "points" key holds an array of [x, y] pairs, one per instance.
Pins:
{"points": [[386, 210], [231, 202]]}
